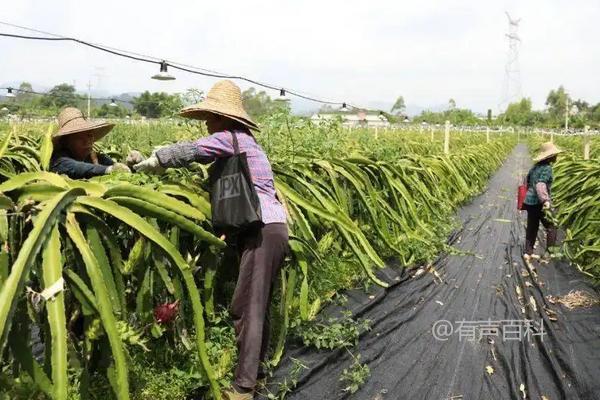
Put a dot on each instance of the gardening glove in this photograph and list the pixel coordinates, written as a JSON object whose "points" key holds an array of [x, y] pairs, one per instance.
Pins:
{"points": [[546, 205], [118, 167], [134, 157], [157, 148], [149, 166]]}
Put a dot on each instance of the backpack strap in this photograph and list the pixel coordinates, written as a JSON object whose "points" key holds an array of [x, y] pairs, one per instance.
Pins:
{"points": [[236, 145]]}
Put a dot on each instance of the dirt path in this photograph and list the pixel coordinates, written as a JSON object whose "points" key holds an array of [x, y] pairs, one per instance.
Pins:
{"points": [[406, 360]]}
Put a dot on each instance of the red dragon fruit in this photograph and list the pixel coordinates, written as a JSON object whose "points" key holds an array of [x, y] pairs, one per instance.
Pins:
{"points": [[165, 313]]}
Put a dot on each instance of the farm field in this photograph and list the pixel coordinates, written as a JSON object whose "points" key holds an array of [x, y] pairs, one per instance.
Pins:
{"points": [[296, 201], [145, 310]]}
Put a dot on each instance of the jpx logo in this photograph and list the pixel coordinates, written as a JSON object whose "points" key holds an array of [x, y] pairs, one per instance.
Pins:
{"points": [[230, 185]]}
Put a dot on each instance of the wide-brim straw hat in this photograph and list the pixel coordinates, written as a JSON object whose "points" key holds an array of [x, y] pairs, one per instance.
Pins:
{"points": [[547, 150], [224, 98], [71, 120]]}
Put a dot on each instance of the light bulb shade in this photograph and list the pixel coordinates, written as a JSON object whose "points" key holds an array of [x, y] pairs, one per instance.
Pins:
{"points": [[163, 75], [4, 109], [112, 103], [10, 93], [282, 96], [344, 107]]}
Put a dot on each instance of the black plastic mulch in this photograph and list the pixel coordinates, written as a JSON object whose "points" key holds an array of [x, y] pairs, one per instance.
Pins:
{"points": [[406, 361]]}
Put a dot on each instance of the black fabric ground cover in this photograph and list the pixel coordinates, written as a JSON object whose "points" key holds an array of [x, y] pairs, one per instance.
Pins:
{"points": [[406, 360]]}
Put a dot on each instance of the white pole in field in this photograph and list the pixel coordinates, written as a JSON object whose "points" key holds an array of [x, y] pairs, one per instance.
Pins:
{"points": [[487, 134], [567, 115], [447, 138], [552, 136], [586, 146], [432, 132], [376, 133]]}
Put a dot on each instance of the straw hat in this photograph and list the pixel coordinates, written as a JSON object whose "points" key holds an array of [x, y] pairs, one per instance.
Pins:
{"points": [[547, 150], [71, 120], [224, 98]]}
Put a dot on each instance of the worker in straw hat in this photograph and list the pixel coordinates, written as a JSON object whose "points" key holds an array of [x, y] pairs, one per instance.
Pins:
{"points": [[73, 153], [263, 248], [538, 200]]}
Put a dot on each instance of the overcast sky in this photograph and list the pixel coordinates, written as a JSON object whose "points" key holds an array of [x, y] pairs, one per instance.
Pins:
{"points": [[362, 52]]}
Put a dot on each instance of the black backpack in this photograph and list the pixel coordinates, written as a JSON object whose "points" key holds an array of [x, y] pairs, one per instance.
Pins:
{"points": [[234, 202]]}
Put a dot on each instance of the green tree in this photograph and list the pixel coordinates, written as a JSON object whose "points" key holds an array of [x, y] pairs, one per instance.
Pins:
{"points": [[192, 96], [556, 103], [451, 104], [156, 105], [258, 104], [457, 116], [22, 95], [399, 106], [594, 115], [60, 96], [106, 110], [519, 113]]}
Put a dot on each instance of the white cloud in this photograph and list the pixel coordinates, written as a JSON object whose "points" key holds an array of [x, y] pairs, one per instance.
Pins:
{"points": [[360, 52]]}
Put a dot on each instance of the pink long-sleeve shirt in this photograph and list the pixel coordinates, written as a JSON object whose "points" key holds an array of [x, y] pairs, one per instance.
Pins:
{"points": [[207, 149]]}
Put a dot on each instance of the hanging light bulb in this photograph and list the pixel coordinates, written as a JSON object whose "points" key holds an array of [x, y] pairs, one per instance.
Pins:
{"points": [[112, 103], [163, 75], [344, 108], [282, 96], [10, 93]]}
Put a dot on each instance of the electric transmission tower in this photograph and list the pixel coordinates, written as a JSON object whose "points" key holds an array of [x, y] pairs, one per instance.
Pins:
{"points": [[512, 72]]}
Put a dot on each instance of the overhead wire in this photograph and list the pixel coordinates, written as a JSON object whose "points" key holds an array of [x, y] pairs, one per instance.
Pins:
{"points": [[172, 64]]}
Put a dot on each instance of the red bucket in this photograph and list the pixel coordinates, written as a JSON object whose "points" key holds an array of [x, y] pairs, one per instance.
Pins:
{"points": [[521, 193]]}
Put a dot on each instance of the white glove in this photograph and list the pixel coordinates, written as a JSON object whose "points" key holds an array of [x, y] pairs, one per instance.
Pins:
{"points": [[118, 167], [546, 205], [134, 157], [150, 166], [157, 148]]}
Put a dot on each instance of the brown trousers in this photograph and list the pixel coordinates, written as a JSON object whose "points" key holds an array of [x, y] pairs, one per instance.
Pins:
{"points": [[263, 251]]}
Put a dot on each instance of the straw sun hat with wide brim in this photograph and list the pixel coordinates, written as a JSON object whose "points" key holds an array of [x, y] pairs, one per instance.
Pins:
{"points": [[71, 120], [547, 150], [224, 98]]}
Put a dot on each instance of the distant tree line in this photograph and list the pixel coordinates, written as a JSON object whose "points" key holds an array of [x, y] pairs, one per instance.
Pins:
{"points": [[521, 113], [259, 104], [147, 104]]}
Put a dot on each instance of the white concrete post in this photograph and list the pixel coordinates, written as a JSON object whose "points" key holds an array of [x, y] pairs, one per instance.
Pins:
{"points": [[487, 134], [587, 144], [567, 115], [447, 138]]}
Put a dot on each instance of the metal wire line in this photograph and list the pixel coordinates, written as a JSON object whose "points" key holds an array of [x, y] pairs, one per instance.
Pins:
{"points": [[175, 65]]}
